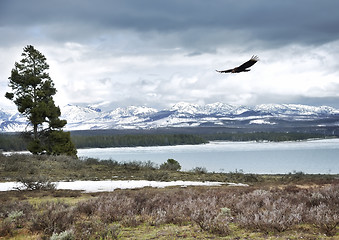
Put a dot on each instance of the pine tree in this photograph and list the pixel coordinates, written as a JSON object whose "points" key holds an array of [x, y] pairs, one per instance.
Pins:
{"points": [[33, 91]]}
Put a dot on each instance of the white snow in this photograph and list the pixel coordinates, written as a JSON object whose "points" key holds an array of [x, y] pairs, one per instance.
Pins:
{"points": [[261, 121], [109, 186], [181, 114]]}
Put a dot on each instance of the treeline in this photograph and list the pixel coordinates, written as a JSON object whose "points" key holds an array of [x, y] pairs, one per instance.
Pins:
{"points": [[135, 140], [15, 142], [261, 136], [12, 142]]}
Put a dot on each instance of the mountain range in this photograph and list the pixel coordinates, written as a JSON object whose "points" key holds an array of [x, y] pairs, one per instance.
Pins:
{"points": [[185, 115]]}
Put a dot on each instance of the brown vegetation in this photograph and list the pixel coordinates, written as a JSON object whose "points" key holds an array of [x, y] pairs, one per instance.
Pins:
{"points": [[294, 205], [220, 211]]}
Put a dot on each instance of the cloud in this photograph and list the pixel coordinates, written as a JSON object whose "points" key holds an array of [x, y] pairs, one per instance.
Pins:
{"points": [[157, 53], [272, 22]]}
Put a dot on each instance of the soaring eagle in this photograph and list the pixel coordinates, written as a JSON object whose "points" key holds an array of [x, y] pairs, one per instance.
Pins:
{"points": [[243, 67]]}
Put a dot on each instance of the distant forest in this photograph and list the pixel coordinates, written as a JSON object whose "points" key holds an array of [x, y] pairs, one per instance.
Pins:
{"points": [[135, 140], [262, 136], [88, 139]]}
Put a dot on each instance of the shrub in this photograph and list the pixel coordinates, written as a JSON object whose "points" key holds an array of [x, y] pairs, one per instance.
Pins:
{"points": [[175, 213], [35, 183], [68, 162], [56, 217], [113, 208], [110, 163], [95, 229], [171, 165], [66, 235], [19, 163], [199, 170], [14, 216], [6, 228], [209, 217], [138, 165], [156, 176], [267, 211], [14, 208], [168, 207], [324, 209], [325, 218], [91, 161], [88, 207]]}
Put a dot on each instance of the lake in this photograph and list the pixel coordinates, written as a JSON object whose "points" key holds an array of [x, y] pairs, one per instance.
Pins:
{"points": [[313, 156]]}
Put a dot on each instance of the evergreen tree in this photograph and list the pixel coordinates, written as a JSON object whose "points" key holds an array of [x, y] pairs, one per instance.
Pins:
{"points": [[171, 165], [33, 91]]}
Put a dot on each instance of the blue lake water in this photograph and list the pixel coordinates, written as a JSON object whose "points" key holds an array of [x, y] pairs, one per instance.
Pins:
{"points": [[316, 156]]}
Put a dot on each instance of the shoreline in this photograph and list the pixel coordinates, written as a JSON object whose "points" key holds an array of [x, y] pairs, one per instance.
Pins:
{"points": [[210, 142]]}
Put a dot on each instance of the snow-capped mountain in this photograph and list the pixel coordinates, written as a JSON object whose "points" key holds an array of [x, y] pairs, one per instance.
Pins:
{"points": [[74, 113], [184, 115], [296, 109], [11, 121]]}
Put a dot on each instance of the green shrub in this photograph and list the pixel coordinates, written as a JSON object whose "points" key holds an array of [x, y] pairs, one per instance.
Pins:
{"points": [[171, 165], [199, 170]]}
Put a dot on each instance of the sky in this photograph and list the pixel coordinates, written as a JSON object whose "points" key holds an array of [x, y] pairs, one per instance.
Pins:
{"points": [[117, 53]]}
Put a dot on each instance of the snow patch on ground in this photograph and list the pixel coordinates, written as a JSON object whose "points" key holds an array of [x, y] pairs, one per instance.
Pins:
{"points": [[109, 186]]}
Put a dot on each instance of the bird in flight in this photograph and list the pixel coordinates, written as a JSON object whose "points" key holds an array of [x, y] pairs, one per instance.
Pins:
{"points": [[243, 67]]}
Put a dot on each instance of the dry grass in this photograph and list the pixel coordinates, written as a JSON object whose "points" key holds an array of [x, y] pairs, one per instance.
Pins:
{"points": [[291, 206], [197, 212]]}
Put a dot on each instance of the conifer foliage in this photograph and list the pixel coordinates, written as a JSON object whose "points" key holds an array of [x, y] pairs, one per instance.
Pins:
{"points": [[32, 92]]}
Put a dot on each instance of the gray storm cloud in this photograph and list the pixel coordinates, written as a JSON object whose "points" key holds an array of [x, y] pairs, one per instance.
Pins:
{"points": [[154, 52]]}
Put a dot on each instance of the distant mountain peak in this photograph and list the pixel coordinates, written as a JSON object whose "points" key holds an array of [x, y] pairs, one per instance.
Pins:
{"points": [[185, 107], [183, 114]]}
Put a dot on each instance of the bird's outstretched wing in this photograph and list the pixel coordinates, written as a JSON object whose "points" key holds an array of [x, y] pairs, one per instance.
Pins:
{"points": [[249, 63], [243, 67], [225, 71]]}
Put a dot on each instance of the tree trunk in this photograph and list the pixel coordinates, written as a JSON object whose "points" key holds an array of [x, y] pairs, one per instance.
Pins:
{"points": [[35, 131]]}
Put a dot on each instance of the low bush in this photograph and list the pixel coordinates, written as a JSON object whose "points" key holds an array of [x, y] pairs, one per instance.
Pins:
{"points": [[268, 211], [157, 176], [87, 208], [95, 229], [171, 165], [113, 208], [66, 235], [324, 218], [6, 228], [35, 183], [138, 165], [55, 217], [199, 170], [209, 216]]}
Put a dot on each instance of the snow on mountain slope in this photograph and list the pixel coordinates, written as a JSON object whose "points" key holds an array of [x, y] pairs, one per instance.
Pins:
{"points": [[295, 109], [186, 108], [74, 113], [131, 111], [222, 109], [12, 121], [179, 115]]}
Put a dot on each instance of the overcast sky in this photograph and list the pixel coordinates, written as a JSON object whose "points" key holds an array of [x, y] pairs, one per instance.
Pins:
{"points": [[156, 53]]}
